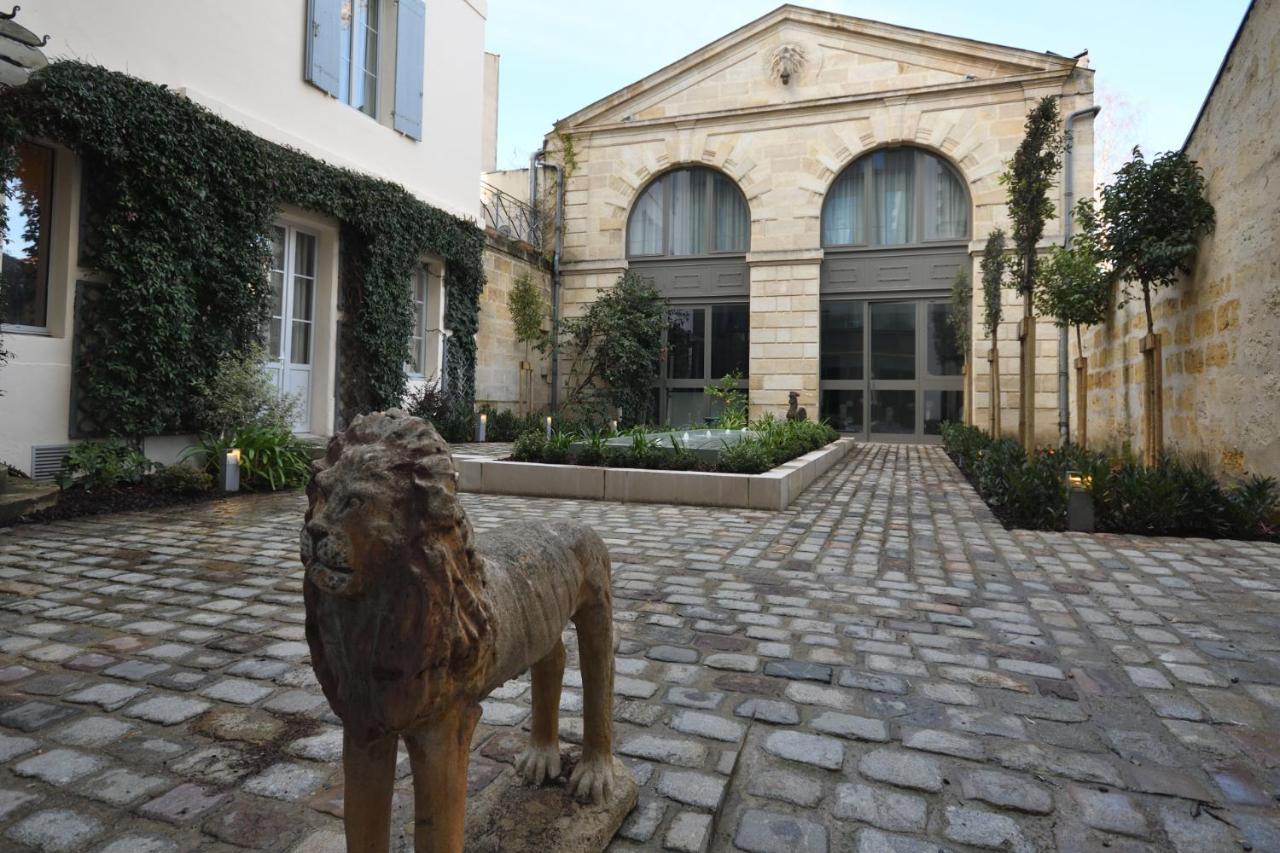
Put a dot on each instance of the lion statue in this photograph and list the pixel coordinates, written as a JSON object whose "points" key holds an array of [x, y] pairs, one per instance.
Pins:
{"points": [[411, 623]]}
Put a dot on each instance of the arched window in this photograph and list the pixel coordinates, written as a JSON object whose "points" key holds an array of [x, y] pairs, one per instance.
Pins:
{"points": [[895, 197], [689, 213]]}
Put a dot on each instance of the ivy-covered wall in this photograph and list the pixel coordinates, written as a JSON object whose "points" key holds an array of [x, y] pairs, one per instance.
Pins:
{"points": [[181, 201]]}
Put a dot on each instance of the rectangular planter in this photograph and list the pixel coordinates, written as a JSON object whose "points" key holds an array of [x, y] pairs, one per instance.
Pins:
{"points": [[772, 490]]}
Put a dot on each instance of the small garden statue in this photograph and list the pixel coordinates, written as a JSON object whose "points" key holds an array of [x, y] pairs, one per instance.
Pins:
{"points": [[794, 412], [411, 622]]}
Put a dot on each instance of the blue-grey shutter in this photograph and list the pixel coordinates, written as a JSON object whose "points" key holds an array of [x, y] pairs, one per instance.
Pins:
{"points": [[324, 33], [411, 37]]}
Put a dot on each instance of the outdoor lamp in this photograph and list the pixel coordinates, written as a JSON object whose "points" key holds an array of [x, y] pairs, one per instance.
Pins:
{"points": [[229, 471], [614, 425], [1079, 502], [480, 427], [548, 427]]}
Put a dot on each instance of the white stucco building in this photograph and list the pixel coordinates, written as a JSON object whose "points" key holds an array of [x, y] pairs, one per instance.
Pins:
{"points": [[390, 88]]}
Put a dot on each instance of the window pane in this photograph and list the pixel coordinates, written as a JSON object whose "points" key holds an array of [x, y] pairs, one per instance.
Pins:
{"points": [[942, 406], [276, 276], [730, 340], [841, 340], [893, 340], [688, 212], [302, 289], [733, 222], [687, 407], [893, 192], [843, 408], [686, 333], [417, 340], [945, 355], [893, 411], [368, 67], [28, 197], [946, 211], [344, 51], [304, 262], [300, 342], [645, 236], [842, 213]]}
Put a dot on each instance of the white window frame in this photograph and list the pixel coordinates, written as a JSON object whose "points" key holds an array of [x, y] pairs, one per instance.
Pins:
{"points": [[348, 69], [421, 317], [43, 329]]}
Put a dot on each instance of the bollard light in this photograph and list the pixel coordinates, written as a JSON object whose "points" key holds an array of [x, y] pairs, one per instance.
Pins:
{"points": [[1079, 502], [229, 471], [614, 426], [481, 426], [548, 427]]}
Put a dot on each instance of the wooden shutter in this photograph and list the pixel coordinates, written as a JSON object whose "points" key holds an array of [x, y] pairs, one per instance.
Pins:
{"points": [[411, 35], [323, 38]]}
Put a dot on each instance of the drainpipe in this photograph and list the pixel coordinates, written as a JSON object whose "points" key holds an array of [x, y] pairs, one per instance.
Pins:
{"points": [[1064, 346], [536, 162]]}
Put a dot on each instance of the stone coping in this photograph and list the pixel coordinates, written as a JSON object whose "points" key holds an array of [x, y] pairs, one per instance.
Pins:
{"points": [[773, 490]]}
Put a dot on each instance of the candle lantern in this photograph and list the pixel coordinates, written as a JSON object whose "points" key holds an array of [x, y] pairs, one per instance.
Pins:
{"points": [[1079, 502], [481, 426], [229, 471]]}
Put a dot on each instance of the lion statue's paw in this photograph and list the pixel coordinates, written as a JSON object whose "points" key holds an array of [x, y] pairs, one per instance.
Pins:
{"points": [[538, 764], [592, 779]]}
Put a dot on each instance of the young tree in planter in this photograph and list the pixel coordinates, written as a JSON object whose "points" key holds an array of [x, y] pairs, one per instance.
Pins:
{"points": [[1028, 180], [528, 311], [994, 263], [1153, 215], [961, 323], [1074, 288]]}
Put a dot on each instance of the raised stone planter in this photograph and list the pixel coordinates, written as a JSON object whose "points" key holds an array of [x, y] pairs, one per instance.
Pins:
{"points": [[774, 489]]}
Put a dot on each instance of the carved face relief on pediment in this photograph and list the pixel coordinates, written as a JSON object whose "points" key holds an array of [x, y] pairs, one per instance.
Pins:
{"points": [[787, 62]]}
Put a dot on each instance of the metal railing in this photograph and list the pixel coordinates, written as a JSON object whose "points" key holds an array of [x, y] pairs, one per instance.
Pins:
{"points": [[509, 216]]}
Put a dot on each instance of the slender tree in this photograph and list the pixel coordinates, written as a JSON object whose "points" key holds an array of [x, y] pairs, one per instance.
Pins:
{"points": [[960, 321], [1027, 181], [1073, 286], [994, 264]]}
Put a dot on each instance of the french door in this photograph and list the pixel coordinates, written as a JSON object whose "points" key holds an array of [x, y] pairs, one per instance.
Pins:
{"points": [[890, 370], [292, 323], [701, 344]]}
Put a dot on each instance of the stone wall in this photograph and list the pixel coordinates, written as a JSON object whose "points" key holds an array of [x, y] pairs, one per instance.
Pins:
{"points": [[1219, 327], [498, 353], [863, 86]]}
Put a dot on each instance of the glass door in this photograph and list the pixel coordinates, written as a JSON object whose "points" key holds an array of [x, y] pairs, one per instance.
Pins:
{"points": [[891, 342], [289, 330]]}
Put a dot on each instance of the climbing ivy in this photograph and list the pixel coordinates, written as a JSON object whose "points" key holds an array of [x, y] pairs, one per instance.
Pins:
{"points": [[181, 201]]}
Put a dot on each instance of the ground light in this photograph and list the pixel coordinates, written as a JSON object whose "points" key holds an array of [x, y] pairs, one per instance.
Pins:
{"points": [[1079, 502], [229, 471]]}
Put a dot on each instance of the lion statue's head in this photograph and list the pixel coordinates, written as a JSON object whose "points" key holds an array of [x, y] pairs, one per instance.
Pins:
{"points": [[394, 587]]}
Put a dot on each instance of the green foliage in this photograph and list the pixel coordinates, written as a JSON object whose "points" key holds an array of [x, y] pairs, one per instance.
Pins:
{"points": [[961, 317], [94, 465], [451, 418], [613, 348], [270, 458], [239, 393], [529, 447], [180, 201], [745, 457], [1072, 285], [1027, 180], [1153, 214], [994, 264], [1174, 497], [593, 448], [528, 311], [179, 480], [507, 425], [733, 401]]}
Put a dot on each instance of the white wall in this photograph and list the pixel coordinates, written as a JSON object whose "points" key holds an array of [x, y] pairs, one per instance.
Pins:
{"points": [[243, 59]]}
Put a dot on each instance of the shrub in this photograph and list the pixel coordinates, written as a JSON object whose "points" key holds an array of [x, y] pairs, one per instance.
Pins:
{"points": [[240, 393], [555, 450], [593, 447], [180, 480], [507, 425], [269, 457], [748, 456], [102, 465], [529, 447]]}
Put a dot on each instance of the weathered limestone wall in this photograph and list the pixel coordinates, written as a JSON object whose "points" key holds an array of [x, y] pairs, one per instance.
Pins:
{"points": [[785, 144], [1219, 327], [498, 353]]}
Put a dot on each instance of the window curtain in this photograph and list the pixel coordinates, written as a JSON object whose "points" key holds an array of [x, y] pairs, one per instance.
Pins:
{"points": [[947, 203], [646, 222], [893, 174], [842, 218], [733, 222], [688, 212]]}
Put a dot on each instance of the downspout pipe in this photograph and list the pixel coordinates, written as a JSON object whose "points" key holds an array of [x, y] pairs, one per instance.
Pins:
{"points": [[535, 163], [1068, 204]]}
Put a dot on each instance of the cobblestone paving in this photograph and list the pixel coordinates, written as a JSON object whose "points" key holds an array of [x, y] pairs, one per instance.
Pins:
{"points": [[883, 667]]}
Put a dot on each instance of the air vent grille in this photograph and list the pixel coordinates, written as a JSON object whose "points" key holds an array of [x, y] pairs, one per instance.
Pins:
{"points": [[46, 460]]}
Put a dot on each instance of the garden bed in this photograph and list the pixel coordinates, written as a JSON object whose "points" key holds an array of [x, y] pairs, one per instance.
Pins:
{"points": [[75, 503], [774, 489]]}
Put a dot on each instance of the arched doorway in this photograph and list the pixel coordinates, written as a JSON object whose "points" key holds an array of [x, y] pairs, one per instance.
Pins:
{"points": [[895, 231], [688, 235]]}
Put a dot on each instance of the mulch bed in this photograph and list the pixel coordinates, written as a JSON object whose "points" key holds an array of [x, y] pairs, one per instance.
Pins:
{"points": [[74, 503]]}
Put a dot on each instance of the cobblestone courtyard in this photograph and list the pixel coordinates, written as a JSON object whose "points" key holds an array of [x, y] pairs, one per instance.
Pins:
{"points": [[882, 667]]}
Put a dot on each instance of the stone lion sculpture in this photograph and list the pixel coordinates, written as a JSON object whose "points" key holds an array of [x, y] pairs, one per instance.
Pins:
{"points": [[411, 624]]}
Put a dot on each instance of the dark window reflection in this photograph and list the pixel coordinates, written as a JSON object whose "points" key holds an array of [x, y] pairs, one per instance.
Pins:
{"points": [[946, 358], [686, 334], [843, 409], [942, 406], [893, 340], [730, 340], [841, 340]]}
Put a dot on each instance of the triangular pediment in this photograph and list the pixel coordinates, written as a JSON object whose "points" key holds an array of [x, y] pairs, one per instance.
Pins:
{"points": [[834, 56]]}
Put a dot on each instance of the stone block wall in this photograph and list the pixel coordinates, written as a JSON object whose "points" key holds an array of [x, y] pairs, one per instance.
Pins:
{"points": [[1220, 326], [498, 353]]}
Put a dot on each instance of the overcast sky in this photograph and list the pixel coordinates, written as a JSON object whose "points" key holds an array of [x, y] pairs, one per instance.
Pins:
{"points": [[1155, 61]]}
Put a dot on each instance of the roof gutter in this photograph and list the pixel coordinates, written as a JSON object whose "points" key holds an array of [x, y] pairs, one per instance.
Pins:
{"points": [[1068, 193]]}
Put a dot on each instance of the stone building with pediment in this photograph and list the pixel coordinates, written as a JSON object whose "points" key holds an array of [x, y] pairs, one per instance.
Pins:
{"points": [[803, 191]]}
